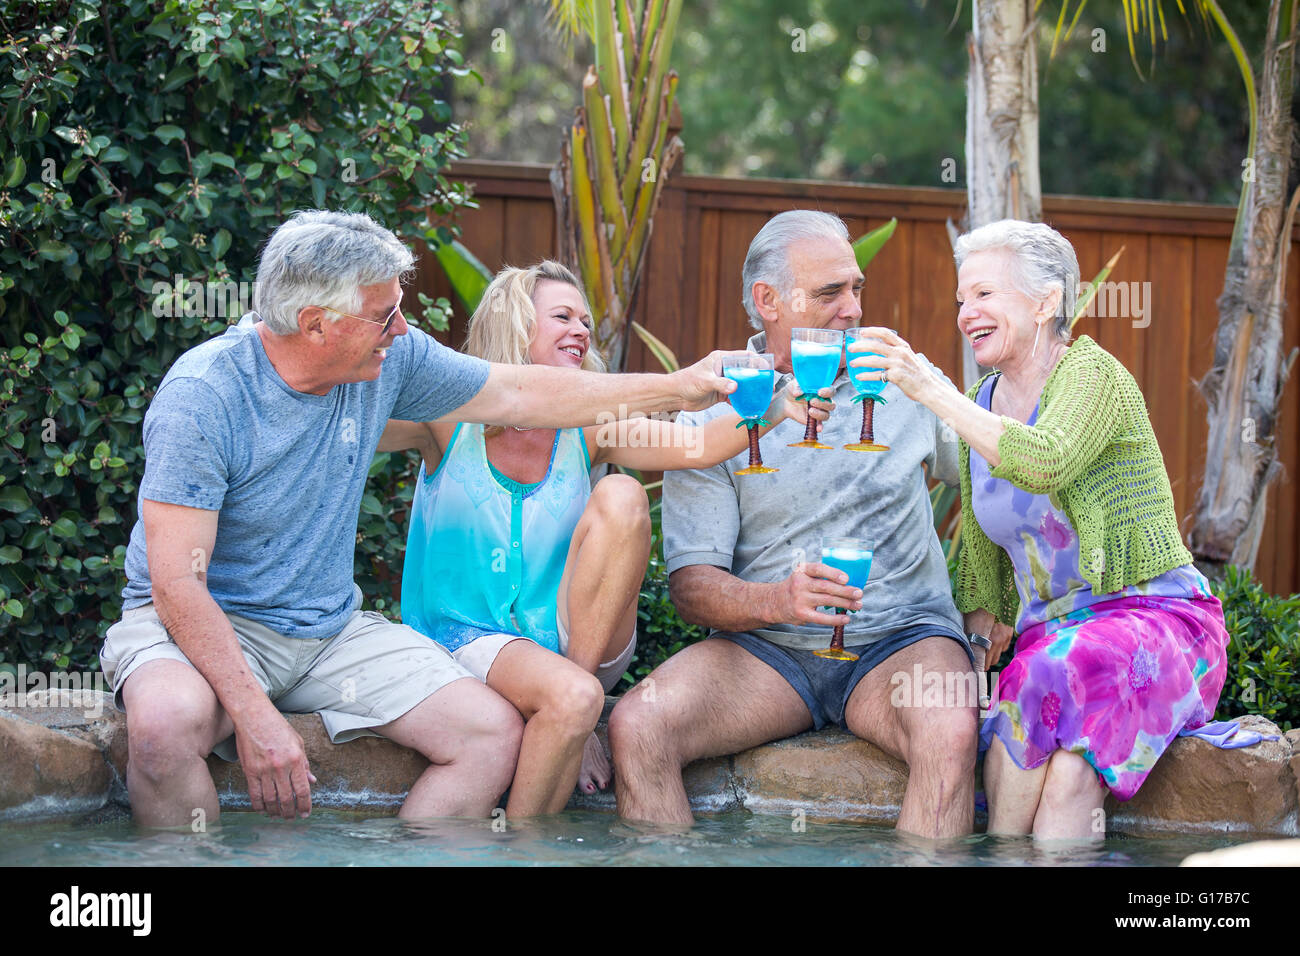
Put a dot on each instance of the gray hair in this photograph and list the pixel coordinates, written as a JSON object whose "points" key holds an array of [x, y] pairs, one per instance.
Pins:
{"points": [[1044, 260], [768, 259], [323, 258]]}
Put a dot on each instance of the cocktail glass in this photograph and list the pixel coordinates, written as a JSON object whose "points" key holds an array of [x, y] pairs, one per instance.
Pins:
{"points": [[815, 355], [869, 389], [755, 377], [853, 557]]}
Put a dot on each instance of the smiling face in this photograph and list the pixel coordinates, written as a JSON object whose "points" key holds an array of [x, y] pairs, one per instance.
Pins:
{"points": [[357, 348], [562, 330], [998, 319]]}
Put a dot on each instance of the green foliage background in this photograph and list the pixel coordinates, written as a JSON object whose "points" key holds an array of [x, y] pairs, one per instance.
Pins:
{"points": [[1264, 653], [153, 138], [878, 94]]}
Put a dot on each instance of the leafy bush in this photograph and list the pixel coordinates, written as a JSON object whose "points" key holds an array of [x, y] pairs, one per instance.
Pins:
{"points": [[660, 631], [1263, 653], [151, 147]]}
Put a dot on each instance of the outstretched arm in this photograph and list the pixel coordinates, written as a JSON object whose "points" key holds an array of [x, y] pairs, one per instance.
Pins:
{"points": [[922, 382], [649, 444], [541, 396], [399, 436]]}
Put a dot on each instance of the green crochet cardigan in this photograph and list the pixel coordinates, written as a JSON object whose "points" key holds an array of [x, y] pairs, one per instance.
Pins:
{"points": [[1093, 451]]}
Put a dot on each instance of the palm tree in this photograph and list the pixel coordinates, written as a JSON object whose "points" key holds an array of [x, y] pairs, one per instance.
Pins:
{"points": [[616, 157], [1245, 383], [1002, 180]]}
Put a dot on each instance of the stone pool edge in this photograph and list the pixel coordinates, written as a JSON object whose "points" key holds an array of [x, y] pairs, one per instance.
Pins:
{"points": [[62, 756]]}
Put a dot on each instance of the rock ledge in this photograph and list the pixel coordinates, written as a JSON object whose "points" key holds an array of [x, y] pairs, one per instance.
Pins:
{"points": [[68, 756]]}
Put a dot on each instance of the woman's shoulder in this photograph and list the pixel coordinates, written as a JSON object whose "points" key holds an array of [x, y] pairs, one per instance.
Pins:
{"points": [[1086, 359], [973, 392]]}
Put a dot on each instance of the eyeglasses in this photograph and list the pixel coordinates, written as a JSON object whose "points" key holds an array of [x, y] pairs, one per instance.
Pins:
{"points": [[387, 323]]}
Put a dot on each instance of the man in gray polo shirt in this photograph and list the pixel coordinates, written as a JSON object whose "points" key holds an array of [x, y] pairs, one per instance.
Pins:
{"points": [[240, 603], [743, 557]]}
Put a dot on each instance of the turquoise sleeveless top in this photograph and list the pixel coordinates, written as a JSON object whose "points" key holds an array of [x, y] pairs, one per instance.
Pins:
{"points": [[485, 553]]}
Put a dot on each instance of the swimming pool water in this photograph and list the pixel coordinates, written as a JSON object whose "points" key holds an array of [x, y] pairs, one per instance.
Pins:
{"points": [[574, 838]]}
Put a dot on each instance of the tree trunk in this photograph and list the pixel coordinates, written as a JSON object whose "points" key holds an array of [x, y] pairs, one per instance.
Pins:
{"points": [[1246, 381], [1002, 180]]}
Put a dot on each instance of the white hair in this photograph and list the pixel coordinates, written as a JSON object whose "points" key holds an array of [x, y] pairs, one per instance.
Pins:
{"points": [[768, 259], [1044, 260], [324, 258]]}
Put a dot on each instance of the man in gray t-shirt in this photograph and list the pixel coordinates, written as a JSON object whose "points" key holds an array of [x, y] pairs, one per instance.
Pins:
{"points": [[743, 553], [240, 603]]}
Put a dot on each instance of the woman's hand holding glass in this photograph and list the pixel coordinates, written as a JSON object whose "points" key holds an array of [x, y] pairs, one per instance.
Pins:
{"points": [[895, 360]]}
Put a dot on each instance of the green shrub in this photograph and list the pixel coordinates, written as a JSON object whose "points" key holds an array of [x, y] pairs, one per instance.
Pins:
{"points": [[1263, 652], [150, 139], [660, 631]]}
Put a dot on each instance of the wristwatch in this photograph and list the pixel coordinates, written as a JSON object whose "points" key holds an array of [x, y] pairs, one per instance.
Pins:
{"points": [[980, 640]]}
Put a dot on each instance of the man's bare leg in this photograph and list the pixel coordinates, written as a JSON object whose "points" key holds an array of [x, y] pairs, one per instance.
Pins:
{"points": [[561, 704], [173, 721], [470, 736], [600, 588], [1072, 806], [937, 742], [710, 699], [1013, 794]]}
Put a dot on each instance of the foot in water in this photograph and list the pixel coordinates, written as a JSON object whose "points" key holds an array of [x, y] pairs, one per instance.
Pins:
{"points": [[595, 772]]}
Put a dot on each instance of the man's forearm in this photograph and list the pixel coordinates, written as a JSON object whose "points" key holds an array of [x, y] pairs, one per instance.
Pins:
{"points": [[715, 598], [203, 632], [541, 396], [558, 398]]}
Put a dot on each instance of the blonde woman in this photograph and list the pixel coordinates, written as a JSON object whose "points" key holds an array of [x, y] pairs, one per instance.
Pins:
{"points": [[515, 563]]}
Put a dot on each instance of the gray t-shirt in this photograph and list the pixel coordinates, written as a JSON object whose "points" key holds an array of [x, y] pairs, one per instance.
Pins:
{"points": [[286, 470], [758, 526]]}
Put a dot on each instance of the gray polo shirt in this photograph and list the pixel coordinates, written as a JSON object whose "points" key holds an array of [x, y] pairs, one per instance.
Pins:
{"points": [[758, 526]]}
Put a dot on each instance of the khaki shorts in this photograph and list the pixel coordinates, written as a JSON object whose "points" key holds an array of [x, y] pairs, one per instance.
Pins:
{"points": [[369, 674], [479, 655]]}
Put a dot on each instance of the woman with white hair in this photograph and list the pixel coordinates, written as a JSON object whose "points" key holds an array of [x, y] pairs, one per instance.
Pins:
{"points": [[1070, 536], [516, 564]]}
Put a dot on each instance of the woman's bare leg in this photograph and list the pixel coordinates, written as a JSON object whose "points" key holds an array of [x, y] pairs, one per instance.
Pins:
{"points": [[1013, 794], [600, 588], [560, 704], [1072, 806]]}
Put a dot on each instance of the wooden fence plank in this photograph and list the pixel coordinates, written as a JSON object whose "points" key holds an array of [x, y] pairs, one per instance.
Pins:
{"points": [[1167, 358], [1211, 258]]}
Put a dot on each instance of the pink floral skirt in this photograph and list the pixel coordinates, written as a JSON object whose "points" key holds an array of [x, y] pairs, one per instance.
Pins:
{"points": [[1114, 682]]}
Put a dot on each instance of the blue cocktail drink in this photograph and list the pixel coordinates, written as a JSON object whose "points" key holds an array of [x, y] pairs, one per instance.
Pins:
{"points": [[753, 390], [864, 379], [856, 564], [755, 376], [815, 364], [853, 557], [815, 355], [870, 389]]}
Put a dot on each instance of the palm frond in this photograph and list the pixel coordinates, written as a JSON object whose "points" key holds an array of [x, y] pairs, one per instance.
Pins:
{"points": [[572, 18]]}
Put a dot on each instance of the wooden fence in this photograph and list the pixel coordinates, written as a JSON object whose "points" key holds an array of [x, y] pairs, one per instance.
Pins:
{"points": [[691, 291]]}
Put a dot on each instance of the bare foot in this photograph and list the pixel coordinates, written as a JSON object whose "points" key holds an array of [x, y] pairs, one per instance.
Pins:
{"points": [[595, 772]]}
